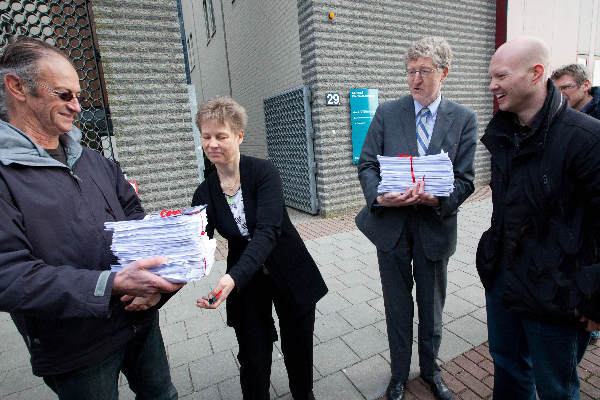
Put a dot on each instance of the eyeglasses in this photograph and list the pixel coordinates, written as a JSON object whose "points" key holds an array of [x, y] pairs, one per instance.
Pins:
{"points": [[64, 96], [425, 72], [569, 86]]}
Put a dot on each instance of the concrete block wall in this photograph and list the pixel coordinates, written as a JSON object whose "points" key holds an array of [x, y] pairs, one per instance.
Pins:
{"points": [[144, 71], [263, 46], [363, 47], [208, 58]]}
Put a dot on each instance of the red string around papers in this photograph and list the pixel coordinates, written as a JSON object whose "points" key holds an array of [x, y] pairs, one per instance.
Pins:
{"points": [[412, 172], [397, 173]]}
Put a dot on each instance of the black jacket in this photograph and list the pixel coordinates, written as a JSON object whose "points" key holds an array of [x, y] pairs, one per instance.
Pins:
{"points": [[593, 109], [274, 243], [545, 230], [55, 256]]}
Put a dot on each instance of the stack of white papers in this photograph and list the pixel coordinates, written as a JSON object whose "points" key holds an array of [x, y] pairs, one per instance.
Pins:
{"points": [[398, 173], [181, 238]]}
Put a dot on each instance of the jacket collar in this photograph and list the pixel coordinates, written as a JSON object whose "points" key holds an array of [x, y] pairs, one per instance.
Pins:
{"points": [[17, 148], [589, 107]]}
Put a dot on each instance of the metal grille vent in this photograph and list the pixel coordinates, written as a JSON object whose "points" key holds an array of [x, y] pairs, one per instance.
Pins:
{"points": [[290, 146], [68, 26]]}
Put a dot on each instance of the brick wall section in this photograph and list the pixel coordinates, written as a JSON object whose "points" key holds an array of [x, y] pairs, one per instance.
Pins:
{"points": [[264, 59], [363, 47], [140, 45]]}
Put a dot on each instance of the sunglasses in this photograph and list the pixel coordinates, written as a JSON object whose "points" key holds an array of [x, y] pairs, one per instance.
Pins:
{"points": [[64, 96]]}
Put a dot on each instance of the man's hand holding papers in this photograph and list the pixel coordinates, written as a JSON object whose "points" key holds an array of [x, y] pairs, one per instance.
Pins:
{"points": [[412, 195], [425, 178], [134, 279], [141, 303], [180, 236]]}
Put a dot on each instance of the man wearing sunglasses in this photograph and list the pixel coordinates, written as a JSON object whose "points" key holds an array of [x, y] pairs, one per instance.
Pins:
{"points": [[82, 323]]}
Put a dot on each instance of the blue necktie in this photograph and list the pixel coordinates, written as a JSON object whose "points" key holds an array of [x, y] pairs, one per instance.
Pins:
{"points": [[423, 136]]}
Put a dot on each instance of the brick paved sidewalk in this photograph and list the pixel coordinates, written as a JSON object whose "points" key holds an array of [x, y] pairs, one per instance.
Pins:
{"points": [[470, 376], [351, 355]]}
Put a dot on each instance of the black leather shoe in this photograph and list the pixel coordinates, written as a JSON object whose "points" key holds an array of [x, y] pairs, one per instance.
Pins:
{"points": [[439, 388], [395, 390]]}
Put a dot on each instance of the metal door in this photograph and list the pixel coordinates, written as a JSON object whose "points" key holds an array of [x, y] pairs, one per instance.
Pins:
{"points": [[290, 146]]}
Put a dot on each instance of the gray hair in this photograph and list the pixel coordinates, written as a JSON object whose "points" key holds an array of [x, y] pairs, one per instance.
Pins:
{"points": [[434, 47], [21, 58], [579, 72], [222, 110]]}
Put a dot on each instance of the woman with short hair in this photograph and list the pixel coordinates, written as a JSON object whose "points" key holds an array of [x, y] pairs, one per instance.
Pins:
{"points": [[267, 262]]}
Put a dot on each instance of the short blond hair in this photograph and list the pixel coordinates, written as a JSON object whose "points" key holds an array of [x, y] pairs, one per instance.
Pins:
{"points": [[223, 110]]}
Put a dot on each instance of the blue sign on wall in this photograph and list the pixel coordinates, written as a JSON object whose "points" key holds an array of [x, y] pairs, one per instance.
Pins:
{"points": [[363, 104]]}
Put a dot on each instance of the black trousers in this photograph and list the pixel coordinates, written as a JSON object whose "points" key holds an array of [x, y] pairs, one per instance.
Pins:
{"points": [[398, 268], [256, 333]]}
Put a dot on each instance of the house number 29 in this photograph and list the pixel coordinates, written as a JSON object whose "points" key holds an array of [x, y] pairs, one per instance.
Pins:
{"points": [[332, 99]]}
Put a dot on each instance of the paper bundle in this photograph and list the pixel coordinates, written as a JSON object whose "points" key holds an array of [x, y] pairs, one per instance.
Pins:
{"points": [[398, 173], [181, 238]]}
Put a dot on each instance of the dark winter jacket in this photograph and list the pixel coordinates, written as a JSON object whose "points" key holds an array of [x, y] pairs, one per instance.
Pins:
{"points": [[545, 231], [593, 107], [55, 256]]}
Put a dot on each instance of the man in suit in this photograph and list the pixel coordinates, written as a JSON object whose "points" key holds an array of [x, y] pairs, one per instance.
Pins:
{"points": [[415, 232]]}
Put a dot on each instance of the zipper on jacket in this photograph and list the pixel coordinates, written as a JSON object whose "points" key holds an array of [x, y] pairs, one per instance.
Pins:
{"points": [[78, 179], [516, 141]]}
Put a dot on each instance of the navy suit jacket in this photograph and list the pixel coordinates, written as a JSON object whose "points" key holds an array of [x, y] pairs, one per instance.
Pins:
{"points": [[392, 133]]}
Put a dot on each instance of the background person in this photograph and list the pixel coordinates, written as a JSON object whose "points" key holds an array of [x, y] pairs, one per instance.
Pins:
{"points": [[573, 81], [55, 278], [267, 260], [415, 232], [539, 260]]}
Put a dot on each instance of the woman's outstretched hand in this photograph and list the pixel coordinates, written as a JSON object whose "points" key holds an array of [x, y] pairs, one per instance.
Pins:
{"points": [[218, 295]]}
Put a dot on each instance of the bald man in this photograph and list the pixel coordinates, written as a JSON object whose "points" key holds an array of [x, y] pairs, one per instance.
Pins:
{"points": [[539, 261]]}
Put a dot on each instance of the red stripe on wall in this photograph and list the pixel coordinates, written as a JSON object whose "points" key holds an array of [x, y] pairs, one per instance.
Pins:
{"points": [[501, 17]]}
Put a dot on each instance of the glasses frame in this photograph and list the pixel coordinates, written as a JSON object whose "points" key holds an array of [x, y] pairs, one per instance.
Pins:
{"points": [[569, 86], [424, 72], [66, 96]]}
